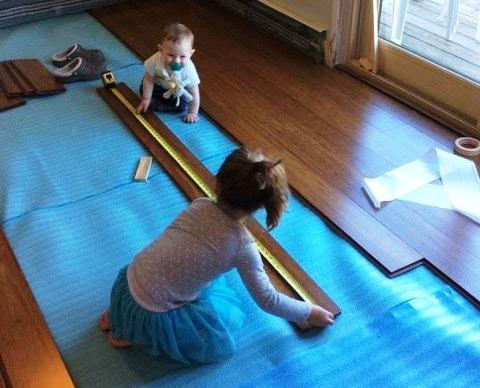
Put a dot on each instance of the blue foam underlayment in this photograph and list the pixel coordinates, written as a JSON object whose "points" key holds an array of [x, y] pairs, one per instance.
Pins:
{"points": [[398, 348], [74, 217]]}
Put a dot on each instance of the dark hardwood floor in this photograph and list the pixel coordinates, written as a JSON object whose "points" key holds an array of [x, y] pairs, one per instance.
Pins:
{"points": [[29, 356], [331, 129]]}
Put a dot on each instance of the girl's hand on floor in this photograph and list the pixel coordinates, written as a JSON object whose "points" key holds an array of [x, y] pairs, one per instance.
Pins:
{"points": [[319, 317]]}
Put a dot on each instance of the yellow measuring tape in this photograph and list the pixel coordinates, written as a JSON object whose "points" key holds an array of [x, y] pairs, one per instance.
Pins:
{"points": [[109, 82]]}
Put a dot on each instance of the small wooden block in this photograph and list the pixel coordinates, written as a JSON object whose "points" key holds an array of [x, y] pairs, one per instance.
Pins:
{"points": [[143, 169]]}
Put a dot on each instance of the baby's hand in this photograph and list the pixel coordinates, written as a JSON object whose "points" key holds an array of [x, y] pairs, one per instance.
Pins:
{"points": [[319, 317], [190, 118], [143, 106]]}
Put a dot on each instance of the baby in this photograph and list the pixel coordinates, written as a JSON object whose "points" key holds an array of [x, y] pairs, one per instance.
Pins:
{"points": [[170, 82]]}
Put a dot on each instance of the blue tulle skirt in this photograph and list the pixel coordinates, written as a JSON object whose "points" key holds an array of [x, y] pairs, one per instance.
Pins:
{"points": [[198, 332]]}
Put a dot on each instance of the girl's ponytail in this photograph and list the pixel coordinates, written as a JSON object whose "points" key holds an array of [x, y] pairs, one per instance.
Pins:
{"points": [[248, 181], [276, 192]]}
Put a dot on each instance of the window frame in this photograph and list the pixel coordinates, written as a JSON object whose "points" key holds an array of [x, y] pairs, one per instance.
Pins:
{"points": [[442, 94]]}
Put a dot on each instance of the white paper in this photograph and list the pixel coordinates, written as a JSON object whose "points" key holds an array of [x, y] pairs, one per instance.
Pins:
{"points": [[438, 179]]}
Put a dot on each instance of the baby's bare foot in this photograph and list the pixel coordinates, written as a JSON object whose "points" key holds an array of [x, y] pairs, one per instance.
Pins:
{"points": [[104, 322], [118, 342]]}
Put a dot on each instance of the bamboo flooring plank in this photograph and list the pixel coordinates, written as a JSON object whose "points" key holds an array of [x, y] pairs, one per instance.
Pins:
{"points": [[23, 77], [266, 94], [26, 87], [174, 170], [9, 102], [29, 356], [7, 81], [42, 81]]}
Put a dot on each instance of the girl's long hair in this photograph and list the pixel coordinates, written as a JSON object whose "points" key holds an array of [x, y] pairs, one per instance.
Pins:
{"points": [[247, 180]]}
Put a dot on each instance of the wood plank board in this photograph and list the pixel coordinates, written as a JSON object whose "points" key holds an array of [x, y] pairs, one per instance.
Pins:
{"points": [[26, 77], [8, 82], [9, 102], [2, 381], [41, 79], [331, 127], [28, 353], [192, 191], [26, 87]]}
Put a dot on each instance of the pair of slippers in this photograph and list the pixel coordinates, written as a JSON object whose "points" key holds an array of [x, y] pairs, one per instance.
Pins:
{"points": [[77, 63]]}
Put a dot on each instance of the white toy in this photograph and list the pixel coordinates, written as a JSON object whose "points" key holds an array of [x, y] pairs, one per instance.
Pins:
{"points": [[176, 88]]}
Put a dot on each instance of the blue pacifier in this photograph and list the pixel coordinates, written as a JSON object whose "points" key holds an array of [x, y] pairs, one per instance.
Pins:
{"points": [[176, 66]]}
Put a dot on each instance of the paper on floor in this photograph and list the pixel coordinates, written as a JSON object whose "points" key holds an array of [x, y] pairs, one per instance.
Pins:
{"points": [[438, 179]]}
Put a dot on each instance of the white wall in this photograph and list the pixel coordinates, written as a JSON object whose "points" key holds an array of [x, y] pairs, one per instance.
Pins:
{"points": [[313, 13]]}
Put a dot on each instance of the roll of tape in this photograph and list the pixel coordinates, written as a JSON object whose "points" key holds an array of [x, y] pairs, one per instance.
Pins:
{"points": [[467, 146]]}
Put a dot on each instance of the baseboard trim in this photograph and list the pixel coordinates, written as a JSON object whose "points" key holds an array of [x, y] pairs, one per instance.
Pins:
{"points": [[414, 100], [291, 31]]}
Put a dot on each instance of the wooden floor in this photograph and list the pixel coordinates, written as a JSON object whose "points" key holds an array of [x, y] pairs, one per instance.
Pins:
{"points": [[29, 356], [331, 129]]}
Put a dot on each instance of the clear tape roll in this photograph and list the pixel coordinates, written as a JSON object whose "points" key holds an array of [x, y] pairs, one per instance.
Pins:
{"points": [[467, 146]]}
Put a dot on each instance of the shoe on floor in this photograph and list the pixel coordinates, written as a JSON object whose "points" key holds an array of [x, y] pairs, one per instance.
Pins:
{"points": [[80, 69], [63, 58]]}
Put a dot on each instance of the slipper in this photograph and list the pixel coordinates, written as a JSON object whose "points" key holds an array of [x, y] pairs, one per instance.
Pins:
{"points": [[79, 70], [63, 58]]}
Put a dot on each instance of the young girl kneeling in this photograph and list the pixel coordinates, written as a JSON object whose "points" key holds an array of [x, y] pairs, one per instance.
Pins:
{"points": [[163, 300]]}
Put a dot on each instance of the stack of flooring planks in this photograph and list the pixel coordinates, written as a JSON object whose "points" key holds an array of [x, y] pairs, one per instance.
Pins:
{"points": [[25, 77]]}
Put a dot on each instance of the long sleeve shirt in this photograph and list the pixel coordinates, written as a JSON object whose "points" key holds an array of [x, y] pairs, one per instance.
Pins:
{"points": [[200, 245]]}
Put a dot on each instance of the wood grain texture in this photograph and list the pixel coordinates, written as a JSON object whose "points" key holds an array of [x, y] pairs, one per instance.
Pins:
{"points": [[2, 381], [26, 77], [184, 182], [330, 129], [9, 102], [28, 353], [8, 82], [42, 81], [23, 83]]}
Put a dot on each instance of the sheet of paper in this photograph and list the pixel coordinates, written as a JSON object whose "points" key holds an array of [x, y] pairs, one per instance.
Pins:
{"points": [[439, 179]]}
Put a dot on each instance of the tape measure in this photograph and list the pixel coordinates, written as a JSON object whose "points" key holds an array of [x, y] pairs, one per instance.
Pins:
{"points": [[109, 82], [467, 146]]}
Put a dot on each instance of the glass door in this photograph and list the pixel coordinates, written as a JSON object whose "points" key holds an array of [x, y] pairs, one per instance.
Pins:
{"points": [[432, 47]]}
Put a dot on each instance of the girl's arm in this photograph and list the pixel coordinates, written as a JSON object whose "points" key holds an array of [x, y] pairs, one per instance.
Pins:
{"points": [[250, 268]]}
